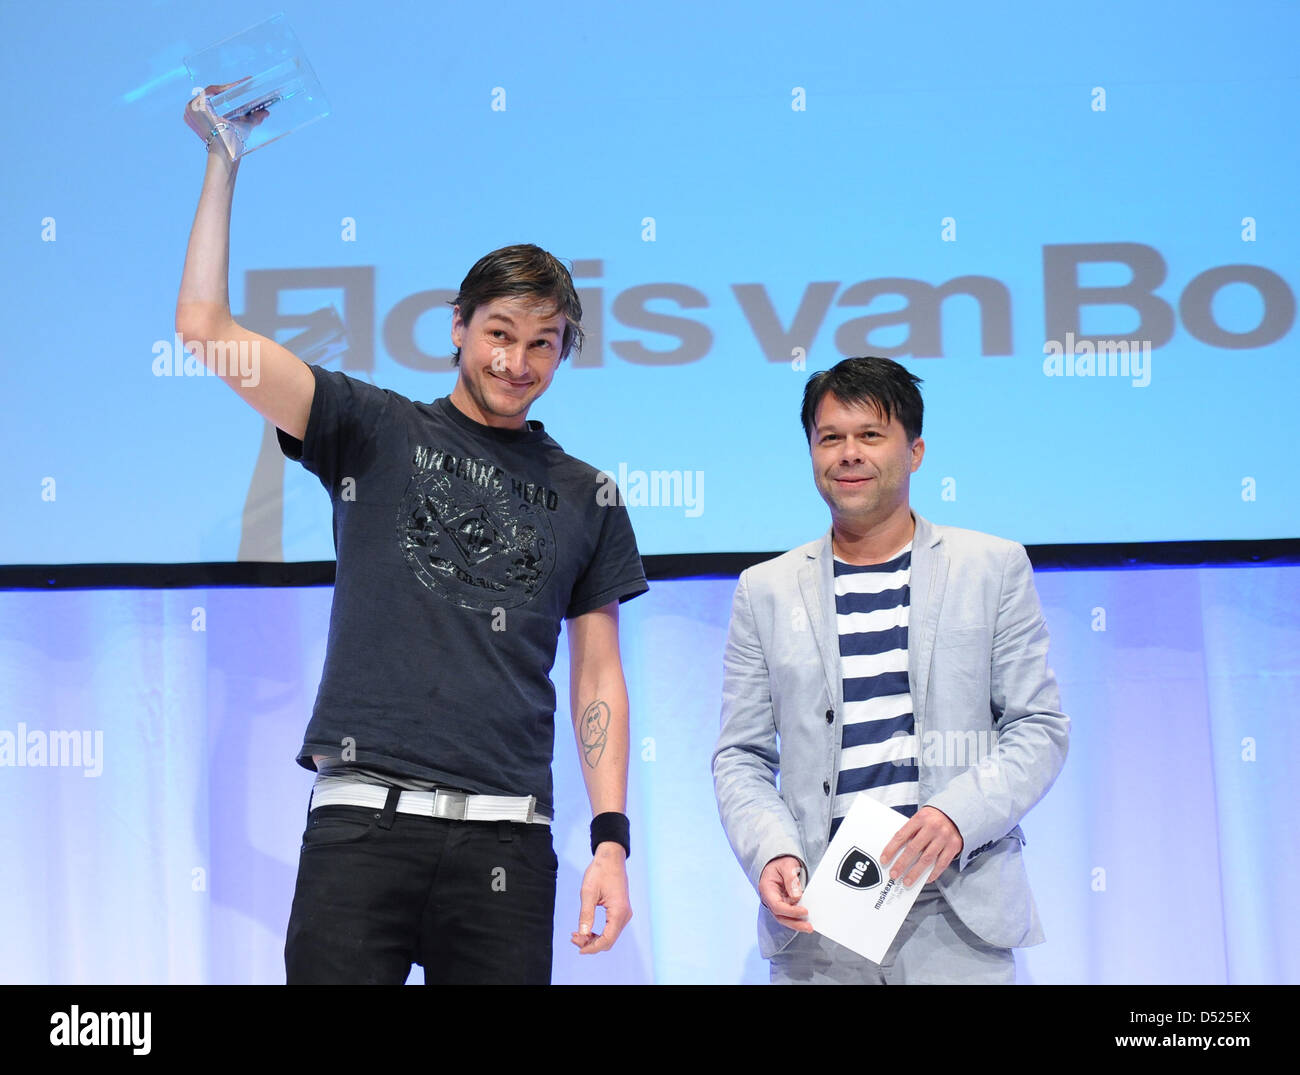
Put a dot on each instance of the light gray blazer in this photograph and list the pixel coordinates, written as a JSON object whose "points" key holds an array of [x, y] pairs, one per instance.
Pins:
{"points": [[977, 663]]}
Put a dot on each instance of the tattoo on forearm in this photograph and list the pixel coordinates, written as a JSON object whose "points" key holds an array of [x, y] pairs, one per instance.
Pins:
{"points": [[594, 732]]}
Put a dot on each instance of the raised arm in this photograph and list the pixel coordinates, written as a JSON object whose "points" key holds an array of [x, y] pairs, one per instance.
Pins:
{"points": [[598, 697], [280, 386]]}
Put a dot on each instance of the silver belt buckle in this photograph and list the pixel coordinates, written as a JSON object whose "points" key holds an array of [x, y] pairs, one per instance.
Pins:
{"points": [[449, 805], [532, 805]]}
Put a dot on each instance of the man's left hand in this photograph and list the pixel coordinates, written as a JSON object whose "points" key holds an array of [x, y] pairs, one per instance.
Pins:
{"points": [[603, 885], [928, 838]]}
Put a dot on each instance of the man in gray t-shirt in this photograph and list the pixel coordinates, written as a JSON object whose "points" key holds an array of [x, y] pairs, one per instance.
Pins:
{"points": [[464, 537]]}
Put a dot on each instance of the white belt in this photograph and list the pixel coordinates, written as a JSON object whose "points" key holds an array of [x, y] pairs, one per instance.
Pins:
{"points": [[450, 805]]}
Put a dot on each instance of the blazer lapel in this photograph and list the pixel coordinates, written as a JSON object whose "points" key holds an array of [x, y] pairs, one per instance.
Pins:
{"points": [[817, 585], [929, 576]]}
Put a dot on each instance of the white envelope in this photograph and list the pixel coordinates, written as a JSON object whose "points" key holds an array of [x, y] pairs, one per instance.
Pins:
{"points": [[850, 898]]}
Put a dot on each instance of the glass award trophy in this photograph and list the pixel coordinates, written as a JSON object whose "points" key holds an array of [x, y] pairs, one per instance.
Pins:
{"points": [[270, 88]]}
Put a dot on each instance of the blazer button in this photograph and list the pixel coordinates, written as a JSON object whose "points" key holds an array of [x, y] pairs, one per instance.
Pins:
{"points": [[830, 716], [826, 786]]}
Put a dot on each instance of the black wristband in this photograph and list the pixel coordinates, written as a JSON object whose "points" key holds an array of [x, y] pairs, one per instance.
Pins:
{"points": [[611, 826]]}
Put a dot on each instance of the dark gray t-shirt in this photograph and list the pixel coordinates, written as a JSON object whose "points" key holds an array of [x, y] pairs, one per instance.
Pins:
{"points": [[460, 549]]}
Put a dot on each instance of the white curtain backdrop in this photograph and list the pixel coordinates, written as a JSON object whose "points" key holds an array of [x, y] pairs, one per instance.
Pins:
{"points": [[1165, 853]]}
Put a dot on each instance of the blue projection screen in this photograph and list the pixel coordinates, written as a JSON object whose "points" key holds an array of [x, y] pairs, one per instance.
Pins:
{"points": [[1076, 222]]}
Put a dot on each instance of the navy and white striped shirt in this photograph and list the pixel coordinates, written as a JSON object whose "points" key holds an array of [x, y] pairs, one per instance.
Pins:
{"points": [[879, 751]]}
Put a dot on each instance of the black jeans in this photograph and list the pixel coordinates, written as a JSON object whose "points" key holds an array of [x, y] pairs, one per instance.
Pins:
{"points": [[473, 902]]}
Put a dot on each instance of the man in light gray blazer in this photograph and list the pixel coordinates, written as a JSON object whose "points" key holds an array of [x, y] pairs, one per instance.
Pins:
{"points": [[953, 718]]}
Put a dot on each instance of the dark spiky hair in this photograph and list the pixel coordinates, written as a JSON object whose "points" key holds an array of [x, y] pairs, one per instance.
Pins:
{"points": [[881, 382]]}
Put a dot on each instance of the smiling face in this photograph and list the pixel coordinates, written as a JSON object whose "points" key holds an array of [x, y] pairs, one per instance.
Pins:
{"points": [[509, 351], [862, 464]]}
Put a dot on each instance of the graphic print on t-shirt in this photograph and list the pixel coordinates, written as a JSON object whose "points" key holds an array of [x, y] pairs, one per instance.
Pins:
{"points": [[473, 533]]}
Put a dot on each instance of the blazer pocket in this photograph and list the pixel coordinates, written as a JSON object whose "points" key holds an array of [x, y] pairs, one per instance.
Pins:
{"points": [[961, 674], [956, 637]]}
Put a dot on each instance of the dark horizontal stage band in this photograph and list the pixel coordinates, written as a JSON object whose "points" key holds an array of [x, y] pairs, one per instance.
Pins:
{"points": [[1106, 556]]}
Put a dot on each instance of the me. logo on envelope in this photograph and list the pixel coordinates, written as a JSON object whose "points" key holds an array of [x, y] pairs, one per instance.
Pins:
{"points": [[834, 895], [858, 870]]}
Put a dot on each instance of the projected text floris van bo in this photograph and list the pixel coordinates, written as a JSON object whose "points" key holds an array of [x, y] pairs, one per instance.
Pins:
{"points": [[779, 336]]}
